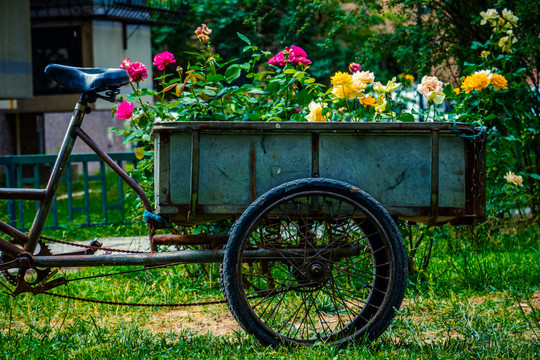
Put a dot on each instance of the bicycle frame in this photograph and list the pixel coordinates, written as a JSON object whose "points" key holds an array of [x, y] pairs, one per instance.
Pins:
{"points": [[46, 196]]}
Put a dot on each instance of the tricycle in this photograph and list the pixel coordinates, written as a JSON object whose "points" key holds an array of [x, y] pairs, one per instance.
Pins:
{"points": [[314, 254]]}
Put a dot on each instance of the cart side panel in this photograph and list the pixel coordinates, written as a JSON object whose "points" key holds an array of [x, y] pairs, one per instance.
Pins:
{"points": [[452, 167], [393, 169], [238, 167], [180, 160]]}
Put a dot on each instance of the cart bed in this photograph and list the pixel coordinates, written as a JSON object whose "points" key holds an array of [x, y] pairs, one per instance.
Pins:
{"points": [[425, 172]]}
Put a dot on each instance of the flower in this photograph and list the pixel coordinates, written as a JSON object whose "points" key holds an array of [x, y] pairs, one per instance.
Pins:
{"points": [[485, 72], [409, 79], [390, 86], [380, 106], [499, 82], [203, 32], [341, 79], [163, 59], [506, 42], [432, 89], [512, 178], [294, 55], [137, 71], [490, 16], [365, 76], [485, 54], [477, 81], [315, 112], [367, 101], [510, 17], [124, 110], [347, 86], [457, 90], [354, 67], [125, 64]]}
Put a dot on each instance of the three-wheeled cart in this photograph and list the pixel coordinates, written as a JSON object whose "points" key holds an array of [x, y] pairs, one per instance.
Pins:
{"points": [[314, 254]]}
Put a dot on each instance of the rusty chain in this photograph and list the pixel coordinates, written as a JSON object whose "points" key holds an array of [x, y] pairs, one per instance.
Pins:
{"points": [[90, 247], [162, 305]]}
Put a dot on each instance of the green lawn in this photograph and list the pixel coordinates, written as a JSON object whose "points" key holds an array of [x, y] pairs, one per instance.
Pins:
{"points": [[480, 300]]}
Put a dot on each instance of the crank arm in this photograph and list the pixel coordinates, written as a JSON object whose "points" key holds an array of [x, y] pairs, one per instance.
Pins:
{"points": [[22, 262], [23, 286]]}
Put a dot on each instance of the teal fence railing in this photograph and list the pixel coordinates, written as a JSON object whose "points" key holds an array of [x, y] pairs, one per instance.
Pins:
{"points": [[73, 203]]}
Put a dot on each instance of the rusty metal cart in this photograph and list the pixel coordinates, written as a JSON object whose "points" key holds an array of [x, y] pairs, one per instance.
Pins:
{"points": [[314, 255]]}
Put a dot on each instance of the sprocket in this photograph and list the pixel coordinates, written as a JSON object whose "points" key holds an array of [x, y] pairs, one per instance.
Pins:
{"points": [[33, 276]]}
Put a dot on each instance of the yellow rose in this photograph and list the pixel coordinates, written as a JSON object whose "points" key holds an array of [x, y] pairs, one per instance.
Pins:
{"points": [[514, 179], [476, 81], [506, 42], [510, 17], [368, 101], [341, 79], [345, 87], [390, 86], [380, 106], [485, 54], [315, 112], [490, 16], [499, 82]]}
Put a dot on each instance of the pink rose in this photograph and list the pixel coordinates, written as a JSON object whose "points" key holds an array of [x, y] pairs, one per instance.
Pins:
{"points": [[354, 67], [124, 110], [163, 59], [278, 60], [125, 64], [293, 55], [136, 70]]}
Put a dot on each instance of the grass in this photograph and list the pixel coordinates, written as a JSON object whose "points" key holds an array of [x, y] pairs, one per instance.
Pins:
{"points": [[480, 300]]}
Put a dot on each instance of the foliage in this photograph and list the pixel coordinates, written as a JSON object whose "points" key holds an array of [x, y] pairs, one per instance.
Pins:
{"points": [[331, 31], [453, 40]]}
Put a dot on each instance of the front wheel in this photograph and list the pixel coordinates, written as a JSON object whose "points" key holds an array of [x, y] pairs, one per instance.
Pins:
{"points": [[314, 261]]}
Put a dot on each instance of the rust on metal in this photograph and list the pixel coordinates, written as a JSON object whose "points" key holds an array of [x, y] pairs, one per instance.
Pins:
{"points": [[195, 163], [182, 239], [434, 201], [9, 248]]}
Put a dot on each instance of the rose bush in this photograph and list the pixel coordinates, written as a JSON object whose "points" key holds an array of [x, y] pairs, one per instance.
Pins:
{"points": [[279, 87]]}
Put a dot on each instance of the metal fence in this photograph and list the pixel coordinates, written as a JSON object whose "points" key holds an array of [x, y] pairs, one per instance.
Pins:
{"points": [[33, 170]]}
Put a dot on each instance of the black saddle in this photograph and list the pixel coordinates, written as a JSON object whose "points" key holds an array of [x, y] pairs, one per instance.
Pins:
{"points": [[83, 80]]}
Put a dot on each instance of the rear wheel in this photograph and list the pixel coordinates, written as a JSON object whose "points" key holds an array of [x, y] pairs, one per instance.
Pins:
{"points": [[334, 268]]}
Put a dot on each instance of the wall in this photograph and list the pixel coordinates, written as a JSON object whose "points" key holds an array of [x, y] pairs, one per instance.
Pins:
{"points": [[15, 50], [109, 51]]}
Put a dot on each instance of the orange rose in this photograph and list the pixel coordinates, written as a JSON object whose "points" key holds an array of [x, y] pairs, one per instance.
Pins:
{"points": [[499, 82]]}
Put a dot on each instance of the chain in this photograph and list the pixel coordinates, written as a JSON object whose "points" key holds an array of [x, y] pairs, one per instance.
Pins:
{"points": [[161, 305], [91, 247], [106, 302]]}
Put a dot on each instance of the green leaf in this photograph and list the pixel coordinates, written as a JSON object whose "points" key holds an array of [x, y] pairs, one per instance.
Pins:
{"points": [[257, 92], [304, 97], [407, 117], [244, 38], [233, 73], [290, 71], [254, 116], [535, 176], [273, 87], [215, 77], [209, 92]]}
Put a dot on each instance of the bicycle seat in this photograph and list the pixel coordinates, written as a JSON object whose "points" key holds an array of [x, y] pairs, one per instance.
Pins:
{"points": [[83, 79]]}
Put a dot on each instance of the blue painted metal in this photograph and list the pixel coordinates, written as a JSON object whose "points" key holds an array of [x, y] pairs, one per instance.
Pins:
{"points": [[424, 172], [13, 165]]}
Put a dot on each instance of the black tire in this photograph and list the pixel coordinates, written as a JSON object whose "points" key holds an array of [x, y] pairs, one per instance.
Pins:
{"points": [[337, 269]]}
